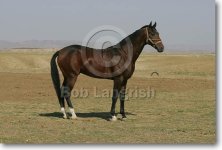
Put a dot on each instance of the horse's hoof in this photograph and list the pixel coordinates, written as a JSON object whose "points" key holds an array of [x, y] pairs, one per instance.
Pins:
{"points": [[123, 118], [64, 117], [73, 117], [114, 118]]}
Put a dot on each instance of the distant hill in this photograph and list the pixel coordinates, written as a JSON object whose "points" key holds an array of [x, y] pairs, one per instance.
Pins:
{"points": [[57, 44], [36, 44]]}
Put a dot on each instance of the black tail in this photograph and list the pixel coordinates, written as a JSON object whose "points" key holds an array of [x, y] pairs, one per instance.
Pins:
{"points": [[55, 75]]}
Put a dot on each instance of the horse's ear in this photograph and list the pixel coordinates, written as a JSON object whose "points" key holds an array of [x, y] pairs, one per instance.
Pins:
{"points": [[154, 25], [150, 25]]}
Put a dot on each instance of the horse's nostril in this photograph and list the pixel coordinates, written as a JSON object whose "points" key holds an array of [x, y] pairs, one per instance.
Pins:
{"points": [[160, 49]]}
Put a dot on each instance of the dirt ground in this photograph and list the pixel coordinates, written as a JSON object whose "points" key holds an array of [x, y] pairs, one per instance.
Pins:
{"points": [[180, 105]]}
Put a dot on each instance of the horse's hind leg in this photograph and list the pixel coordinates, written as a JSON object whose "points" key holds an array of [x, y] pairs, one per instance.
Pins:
{"points": [[64, 93], [69, 84]]}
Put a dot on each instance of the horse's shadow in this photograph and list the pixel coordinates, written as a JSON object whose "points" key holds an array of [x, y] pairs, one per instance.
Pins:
{"points": [[102, 115]]}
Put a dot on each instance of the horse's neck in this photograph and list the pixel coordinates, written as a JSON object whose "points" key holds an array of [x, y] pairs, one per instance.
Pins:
{"points": [[138, 42], [133, 45], [137, 51]]}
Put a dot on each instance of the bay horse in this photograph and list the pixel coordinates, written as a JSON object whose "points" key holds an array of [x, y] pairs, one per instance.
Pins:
{"points": [[115, 63]]}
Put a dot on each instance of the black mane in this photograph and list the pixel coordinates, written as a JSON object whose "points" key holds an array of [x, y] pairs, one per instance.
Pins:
{"points": [[144, 26]]}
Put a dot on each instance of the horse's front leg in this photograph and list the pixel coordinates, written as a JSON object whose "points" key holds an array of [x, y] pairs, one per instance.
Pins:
{"points": [[116, 89], [122, 99]]}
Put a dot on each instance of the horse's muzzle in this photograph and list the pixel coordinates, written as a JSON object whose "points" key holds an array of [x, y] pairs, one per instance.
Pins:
{"points": [[160, 49]]}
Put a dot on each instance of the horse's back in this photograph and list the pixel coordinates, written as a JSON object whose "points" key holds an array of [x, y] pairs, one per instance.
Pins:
{"points": [[99, 63]]}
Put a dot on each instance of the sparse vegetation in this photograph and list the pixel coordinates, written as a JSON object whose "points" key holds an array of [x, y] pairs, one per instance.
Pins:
{"points": [[183, 109]]}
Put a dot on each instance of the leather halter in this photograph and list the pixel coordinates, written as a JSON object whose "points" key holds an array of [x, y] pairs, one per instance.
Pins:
{"points": [[152, 40]]}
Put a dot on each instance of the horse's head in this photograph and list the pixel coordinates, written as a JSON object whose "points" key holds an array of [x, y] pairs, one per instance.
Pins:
{"points": [[153, 37]]}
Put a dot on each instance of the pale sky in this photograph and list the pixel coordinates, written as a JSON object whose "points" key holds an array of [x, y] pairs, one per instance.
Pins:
{"points": [[181, 23]]}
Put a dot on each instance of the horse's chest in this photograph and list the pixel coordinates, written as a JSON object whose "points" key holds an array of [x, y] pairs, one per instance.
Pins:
{"points": [[129, 71]]}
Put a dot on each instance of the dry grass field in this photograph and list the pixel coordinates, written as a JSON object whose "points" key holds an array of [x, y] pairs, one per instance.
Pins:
{"points": [[180, 109]]}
